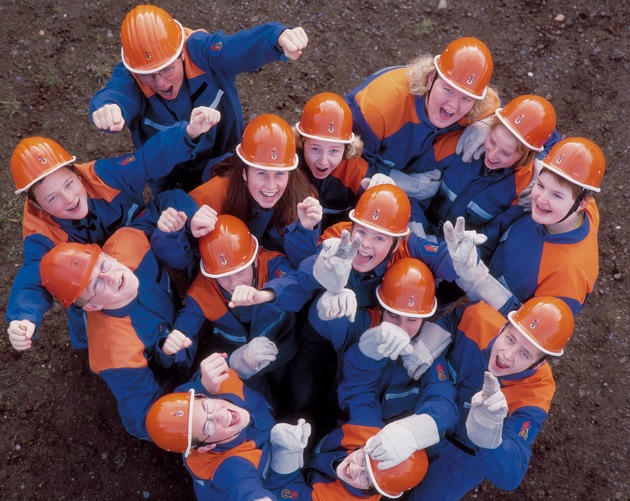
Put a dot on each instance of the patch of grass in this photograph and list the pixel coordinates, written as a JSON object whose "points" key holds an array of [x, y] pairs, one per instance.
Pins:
{"points": [[11, 107], [11, 208], [424, 27], [101, 72], [51, 80]]}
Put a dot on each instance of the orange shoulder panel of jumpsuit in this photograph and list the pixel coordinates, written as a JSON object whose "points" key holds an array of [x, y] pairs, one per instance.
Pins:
{"points": [[537, 389], [212, 193], [481, 323], [94, 185], [205, 464]]}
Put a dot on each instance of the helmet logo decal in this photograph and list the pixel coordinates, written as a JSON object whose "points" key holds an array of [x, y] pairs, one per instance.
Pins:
{"points": [[177, 413], [148, 56], [519, 118], [274, 153], [42, 159], [411, 301], [376, 214], [525, 427], [223, 259], [533, 324], [560, 159], [471, 79], [331, 127]]}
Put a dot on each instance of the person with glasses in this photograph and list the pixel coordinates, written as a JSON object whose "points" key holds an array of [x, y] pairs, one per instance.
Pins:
{"points": [[167, 70], [87, 202], [221, 427], [128, 306]]}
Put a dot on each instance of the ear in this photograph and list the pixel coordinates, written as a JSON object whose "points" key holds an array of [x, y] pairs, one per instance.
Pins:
{"points": [[92, 307], [397, 244], [244, 174], [206, 448], [583, 204]]}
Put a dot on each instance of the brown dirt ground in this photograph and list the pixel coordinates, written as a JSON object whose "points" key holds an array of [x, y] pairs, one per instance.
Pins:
{"points": [[60, 436]]}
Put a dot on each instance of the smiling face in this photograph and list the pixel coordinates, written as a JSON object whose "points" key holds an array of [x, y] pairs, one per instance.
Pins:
{"points": [[227, 421], [112, 285], [266, 186], [445, 104], [552, 200], [322, 157], [62, 195], [375, 247], [512, 353], [502, 148], [353, 470]]}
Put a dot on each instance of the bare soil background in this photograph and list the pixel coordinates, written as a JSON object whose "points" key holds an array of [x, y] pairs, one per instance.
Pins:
{"points": [[60, 435]]}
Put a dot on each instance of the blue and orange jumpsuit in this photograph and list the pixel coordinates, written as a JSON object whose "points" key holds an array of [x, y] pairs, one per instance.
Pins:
{"points": [[456, 464]]}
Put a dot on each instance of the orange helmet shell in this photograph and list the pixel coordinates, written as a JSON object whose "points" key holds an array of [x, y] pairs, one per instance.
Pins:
{"points": [[531, 119], [227, 249], [327, 117], [546, 321], [467, 65], [151, 39], [384, 208], [408, 289], [579, 161], [394, 481], [169, 422], [65, 270], [34, 158], [268, 143]]}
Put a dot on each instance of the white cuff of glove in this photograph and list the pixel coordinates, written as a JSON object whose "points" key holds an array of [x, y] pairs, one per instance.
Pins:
{"points": [[424, 429]]}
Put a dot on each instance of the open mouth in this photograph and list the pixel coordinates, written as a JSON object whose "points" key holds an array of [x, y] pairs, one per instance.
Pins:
{"points": [[500, 363], [233, 418], [75, 207], [445, 115], [167, 93], [122, 282], [363, 257]]}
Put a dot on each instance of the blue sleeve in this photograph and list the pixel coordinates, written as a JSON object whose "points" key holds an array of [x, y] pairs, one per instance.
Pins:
{"points": [[28, 299], [290, 288], [190, 318], [288, 484], [135, 390], [359, 389], [299, 243], [437, 396], [340, 331], [506, 465], [496, 227], [435, 256], [183, 358], [244, 51], [121, 89]]}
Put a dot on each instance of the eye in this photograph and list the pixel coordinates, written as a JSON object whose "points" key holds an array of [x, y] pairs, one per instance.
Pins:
{"points": [[335, 152], [380, 239], [52, 199], [99, 286], [69, 183]]}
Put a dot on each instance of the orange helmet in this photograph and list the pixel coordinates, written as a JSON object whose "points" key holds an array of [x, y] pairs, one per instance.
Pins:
{"points": [[151, 39], [268, 143], [66, 269], [384, 208], [579, 161], [326, 116], [546, 321], [394, 481], [408, 289], [530, 118], [466, 64], [227, 249], [169, 422], [34, 158]]}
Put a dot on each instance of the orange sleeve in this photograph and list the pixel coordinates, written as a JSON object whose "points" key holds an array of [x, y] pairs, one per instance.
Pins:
{"points": [[536, 390], [94, 185], [445, 144], [37, 222], [128, 246], [204, 465], [481, 323], [351, 172], [212, 193]]}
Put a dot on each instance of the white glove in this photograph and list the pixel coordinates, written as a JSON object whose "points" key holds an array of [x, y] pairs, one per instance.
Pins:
{"points": [[419, 185], [287, 446], [343, 304], [488, 409], [461, 246], [470, 144], [483, 286], [375, 180], [253, 357], [525, 196], [400, 439], [424, 349], [334, 263], [385, 340]]}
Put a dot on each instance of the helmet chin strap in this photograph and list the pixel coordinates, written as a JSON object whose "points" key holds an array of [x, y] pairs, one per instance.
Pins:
{"points": [[575, 205]]}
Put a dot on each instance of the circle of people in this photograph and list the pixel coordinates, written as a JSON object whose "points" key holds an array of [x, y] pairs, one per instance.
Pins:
{"points": [[381, 285]]}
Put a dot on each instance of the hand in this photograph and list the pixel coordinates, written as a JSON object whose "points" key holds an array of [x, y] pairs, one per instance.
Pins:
{"points": [[471, 142], [488, 409], [309, 212], [334, 263], [174, 342], [202, 119], [245, 295], [419, 185], [214, 370], [375, 180], [400, 439], [20, 334], [342, 304], [287, 446], [171, 220], [293, 42], [253, 357], [416, 359], [203, 221], [109, 117], [385, 340], [461, 246]]}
